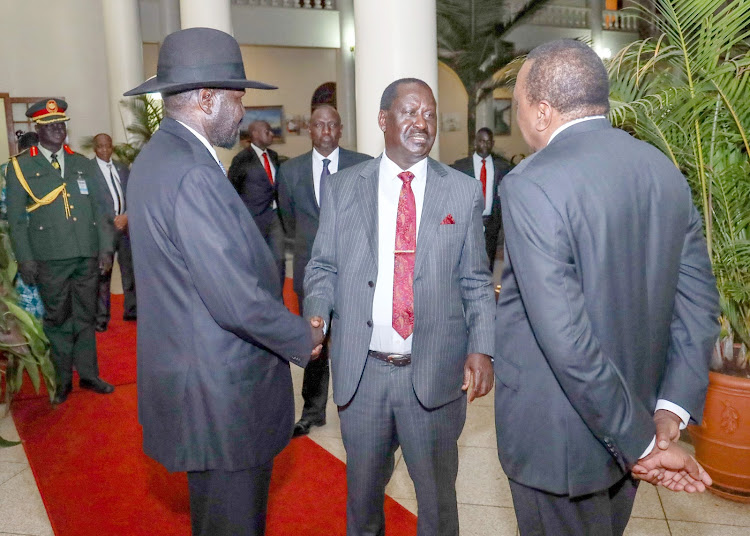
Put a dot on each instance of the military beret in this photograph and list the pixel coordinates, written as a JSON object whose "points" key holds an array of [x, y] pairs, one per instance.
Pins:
{"points": [[48, 111]]}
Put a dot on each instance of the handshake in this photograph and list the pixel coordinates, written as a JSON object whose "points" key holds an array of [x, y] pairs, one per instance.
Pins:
{"points": [[316, 326], [668, 464]]}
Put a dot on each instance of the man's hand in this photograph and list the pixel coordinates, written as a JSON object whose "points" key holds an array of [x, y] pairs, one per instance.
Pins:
{"points": [[121, 222], [673, 468], [316, 325], [28, 271], [105, 263], [478, 376], [667, 428]]}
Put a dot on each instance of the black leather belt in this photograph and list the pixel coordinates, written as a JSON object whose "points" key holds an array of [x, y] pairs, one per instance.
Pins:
{"points": [[397, 360]]}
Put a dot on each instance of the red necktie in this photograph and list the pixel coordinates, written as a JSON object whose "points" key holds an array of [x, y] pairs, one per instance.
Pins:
{"points": [[403, 269], [483, 178], [267, 165]]}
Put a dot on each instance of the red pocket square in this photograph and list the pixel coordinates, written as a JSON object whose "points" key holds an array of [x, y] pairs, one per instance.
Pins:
{"points": [[448, 220]]}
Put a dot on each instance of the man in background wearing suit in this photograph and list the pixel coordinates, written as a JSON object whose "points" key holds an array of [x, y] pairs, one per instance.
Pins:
{"points": [[608, 310], [253, 175], [299, 181], [214, 338], [400, 270], [489, 170], [113, 182]]}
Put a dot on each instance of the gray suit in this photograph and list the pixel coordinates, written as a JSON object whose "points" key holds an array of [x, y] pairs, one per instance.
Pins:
{"points": [[214, 338], [121, 246], [300, 213], [453, 303], [608, 303]]}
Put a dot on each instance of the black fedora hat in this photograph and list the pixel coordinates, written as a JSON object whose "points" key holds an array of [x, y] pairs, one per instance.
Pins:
{"points": [[196, 58]]}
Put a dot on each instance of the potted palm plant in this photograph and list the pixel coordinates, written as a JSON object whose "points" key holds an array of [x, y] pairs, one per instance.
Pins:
{"points": [[686, 91]]}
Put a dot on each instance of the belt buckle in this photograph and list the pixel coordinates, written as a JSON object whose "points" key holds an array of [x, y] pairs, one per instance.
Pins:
{"points": [[397, 359]]}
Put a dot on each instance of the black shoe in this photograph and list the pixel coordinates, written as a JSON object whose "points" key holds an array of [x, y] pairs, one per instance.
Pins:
{"points": [[61, 395], [101, 327], [130, 318], [97, 385], [303, 426]]}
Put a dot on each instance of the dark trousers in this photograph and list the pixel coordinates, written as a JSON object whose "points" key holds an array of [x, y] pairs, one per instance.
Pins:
{"points": [[68, 291], [384, 414], [605, 513], [229, 503], [492, 235], [315, 381], [276, 240], [125, 260]]}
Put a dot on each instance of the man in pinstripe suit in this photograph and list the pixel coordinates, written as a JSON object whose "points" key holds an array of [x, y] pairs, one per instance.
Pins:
{"points": [[399, 268]]}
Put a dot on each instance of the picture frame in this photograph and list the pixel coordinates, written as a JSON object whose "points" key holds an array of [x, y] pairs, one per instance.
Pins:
{"points": [[502, 116], [273, 115]]}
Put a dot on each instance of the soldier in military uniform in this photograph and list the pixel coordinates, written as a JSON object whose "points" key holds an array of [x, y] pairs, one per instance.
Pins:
{"points": [[62, 241]]}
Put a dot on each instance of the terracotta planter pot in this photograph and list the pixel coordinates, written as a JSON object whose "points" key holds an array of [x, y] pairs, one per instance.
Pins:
{"points": [[722, 442]]}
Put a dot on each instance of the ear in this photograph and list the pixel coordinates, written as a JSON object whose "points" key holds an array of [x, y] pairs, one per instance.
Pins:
{"points": [[381, 119], [544, 117], [206, 100]]}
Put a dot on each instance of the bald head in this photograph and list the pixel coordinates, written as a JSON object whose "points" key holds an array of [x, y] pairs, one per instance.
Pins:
{"points": [[260, 134], [103, 147]]}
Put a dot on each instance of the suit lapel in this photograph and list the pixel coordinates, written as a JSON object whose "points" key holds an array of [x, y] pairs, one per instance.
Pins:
{"points": [[368, 203], [307, 185], [433, 208]]}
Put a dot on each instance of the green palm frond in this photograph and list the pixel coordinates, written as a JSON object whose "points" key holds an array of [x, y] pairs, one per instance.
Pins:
{"points": [[686, 92]]}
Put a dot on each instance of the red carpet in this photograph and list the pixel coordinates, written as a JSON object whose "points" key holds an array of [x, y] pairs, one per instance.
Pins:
{"points": [[95, 480]]}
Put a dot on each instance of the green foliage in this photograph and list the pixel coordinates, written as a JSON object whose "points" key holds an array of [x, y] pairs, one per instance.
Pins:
{"points": [[23, 345], [470, 41], [146, 114], [687, 92]]}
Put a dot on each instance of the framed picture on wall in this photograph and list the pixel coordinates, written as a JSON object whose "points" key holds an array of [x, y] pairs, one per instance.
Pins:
{"points": [[502, 110], [273, 115]]}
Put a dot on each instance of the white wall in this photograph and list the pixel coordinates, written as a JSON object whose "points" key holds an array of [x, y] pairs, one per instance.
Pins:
{"points": [[50, 49]]}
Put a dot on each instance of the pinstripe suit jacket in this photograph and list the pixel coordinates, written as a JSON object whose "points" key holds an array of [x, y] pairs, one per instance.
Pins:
{"points": [[453, 296]]}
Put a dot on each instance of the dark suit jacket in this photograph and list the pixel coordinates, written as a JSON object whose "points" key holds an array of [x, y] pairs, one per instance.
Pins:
{"points": [[107, 201], [466, 165], [298, 208], [214, 338], [46, 233], [453, 296], [608, 303], [248, 176]]}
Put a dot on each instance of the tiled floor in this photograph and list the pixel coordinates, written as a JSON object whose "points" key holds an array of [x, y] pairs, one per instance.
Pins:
{"points": [[485, 506]]}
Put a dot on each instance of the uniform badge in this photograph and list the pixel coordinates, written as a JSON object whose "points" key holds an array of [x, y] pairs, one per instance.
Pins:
{"points": [[82, 187], [51, 106]]}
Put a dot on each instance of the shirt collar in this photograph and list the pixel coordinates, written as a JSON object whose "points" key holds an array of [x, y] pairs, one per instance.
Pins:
{"points": [[333, 157], [392, 169], [258, 150], [102, 162], [203, 140], [571, 123], [48, 154]]}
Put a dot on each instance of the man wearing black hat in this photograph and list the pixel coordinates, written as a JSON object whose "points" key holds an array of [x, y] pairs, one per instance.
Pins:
{"points": [[214, 337], [62, 242]]}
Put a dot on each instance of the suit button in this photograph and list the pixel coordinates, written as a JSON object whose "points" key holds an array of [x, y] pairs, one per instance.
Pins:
{"points": [[41, 228], [369, 323], [370, 284], [68, 195], [72, 207], [75, 219]]}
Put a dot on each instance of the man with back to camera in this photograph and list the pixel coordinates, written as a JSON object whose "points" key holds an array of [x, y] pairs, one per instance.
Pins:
{"points": [[253, 174], [299, 183], [62, 242], [608, 310], [214, 338], [399, 269], [113, 182], [489, 170]]}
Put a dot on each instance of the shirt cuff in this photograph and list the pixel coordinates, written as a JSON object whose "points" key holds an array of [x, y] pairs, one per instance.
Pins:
{"points": [[674, 408]]}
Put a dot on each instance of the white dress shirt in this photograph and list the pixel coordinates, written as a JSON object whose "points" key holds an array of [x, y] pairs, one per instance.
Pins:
{"points": [[661, 403], [317, 168], [384, 337], [60, 157], [489, 192], [105, 167]]}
